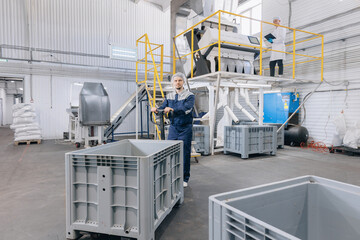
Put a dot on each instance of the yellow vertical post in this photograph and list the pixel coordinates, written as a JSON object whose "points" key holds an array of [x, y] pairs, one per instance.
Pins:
{"points": [[154, 83], [192, 52], [162, 63], [137, 63], [219, 42], [137, 72], [156, 73], [261, 46], [174, 58], [146, 39], [294, 56], [322, 57]]}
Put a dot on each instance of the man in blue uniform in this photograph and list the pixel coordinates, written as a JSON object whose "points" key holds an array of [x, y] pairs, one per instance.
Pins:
{"points": [[181, 102]]}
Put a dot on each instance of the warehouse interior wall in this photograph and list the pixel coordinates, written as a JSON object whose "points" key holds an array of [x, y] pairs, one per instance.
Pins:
{"points": [[8, 113], [339, 93], [53, 43], [3, 106], [51, 98]]}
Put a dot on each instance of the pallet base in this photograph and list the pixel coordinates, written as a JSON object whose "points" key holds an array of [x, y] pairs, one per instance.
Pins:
{"points": [[345, 150], [28, 142]]}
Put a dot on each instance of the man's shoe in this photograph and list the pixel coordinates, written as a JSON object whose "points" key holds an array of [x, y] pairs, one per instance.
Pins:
{"points": [[185, 184]]}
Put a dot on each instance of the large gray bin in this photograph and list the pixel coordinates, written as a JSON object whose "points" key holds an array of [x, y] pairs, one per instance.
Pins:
{"points": [[280, 135], [201, 135], [125, 188], [308, 207], [250, 139]]}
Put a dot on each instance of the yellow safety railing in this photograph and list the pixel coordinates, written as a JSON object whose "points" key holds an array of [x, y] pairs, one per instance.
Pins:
{"points": [[262, 48], [157, 69]]}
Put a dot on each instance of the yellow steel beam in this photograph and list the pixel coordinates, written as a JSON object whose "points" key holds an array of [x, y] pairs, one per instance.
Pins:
{"points": [[290, 64], [174, 58], [294, 56], [269, 23], [156, 75], [137, 40], [183, 56], [205, 47], [137, 64], [261, 48], [146, 38], [156, 44], [322, 57], [305, 40], [136, 71], [240, 44], [162, 63], [304, 55], [269, 49], [219, 43], [192, 53]]}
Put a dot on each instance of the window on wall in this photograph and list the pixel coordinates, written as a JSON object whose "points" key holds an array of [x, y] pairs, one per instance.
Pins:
{"points": [[250, 8]]}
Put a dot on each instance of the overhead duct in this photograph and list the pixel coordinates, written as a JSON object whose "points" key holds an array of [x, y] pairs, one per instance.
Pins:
{"points": [[197, 6]]}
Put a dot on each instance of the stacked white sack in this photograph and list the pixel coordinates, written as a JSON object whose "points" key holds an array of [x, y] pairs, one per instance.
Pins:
{"points": [[24, 124]]}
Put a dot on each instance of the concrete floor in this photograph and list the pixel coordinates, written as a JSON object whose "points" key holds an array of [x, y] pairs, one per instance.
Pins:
{"points": [[32, 186]]}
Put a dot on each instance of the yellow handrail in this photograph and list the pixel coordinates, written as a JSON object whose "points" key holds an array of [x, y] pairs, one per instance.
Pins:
{"points": [[158, 74], [261, 48]]}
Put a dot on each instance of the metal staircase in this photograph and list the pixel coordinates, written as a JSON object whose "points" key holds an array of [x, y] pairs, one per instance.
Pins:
{"points": [[124, 110], [152, 86]]}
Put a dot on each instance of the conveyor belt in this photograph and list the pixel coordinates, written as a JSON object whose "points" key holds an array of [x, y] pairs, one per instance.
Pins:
{"points": [[123, 111]]}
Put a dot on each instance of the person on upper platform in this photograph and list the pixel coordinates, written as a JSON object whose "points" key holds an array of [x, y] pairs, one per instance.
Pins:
{"points": [[278, 43]]}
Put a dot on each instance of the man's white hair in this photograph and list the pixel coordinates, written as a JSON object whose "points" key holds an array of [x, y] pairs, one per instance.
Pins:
{"points": [[180, 75], [277, 18]]}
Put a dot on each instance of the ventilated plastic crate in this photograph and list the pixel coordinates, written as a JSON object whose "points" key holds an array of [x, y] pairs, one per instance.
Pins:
{"points": [[307, 207], [250, 139], [280, 135], [201, 135], [125, 188]]}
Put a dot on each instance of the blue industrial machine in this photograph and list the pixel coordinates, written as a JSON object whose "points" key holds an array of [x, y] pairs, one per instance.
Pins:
{"points": [[279, 106]]}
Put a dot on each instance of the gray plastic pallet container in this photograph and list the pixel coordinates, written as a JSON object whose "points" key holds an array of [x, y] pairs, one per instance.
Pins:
{"points": [[250, 139], [201, 135], [125, 188], [280, 135], [308, 207]]}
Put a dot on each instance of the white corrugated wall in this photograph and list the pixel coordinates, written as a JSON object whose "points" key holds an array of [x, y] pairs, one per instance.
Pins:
{"points": [[70, 40], [79, 32], [52, 98], [339, 21]]}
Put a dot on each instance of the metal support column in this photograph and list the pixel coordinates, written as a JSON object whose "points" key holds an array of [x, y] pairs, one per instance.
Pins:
{"points": [[213, 117], [141, 119], [137, 112], [261, 106]]}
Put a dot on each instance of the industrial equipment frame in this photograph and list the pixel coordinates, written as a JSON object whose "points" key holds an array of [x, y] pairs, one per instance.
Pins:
{"points": [[214, 79], [157, 78], [261, 47]]}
